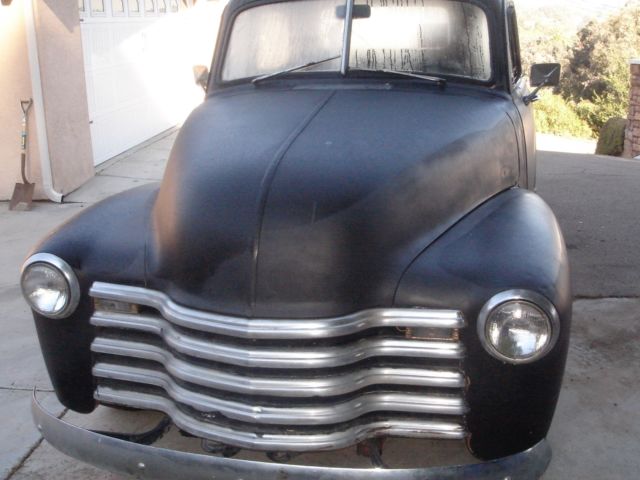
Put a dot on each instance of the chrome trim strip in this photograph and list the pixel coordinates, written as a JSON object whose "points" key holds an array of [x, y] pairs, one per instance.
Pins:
{"points": [[69, 275], [278, 328], [319, 414], [299, 386], [527, 296], [146, 462], [327, 357], [307, 442]]}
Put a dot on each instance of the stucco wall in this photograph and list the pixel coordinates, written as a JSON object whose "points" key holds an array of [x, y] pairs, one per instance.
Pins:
{"points": [[64, 96], [64, 91], [15, 84]]}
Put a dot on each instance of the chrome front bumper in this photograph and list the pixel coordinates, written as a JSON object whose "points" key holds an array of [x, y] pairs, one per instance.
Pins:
{"points": [[139, 461]]}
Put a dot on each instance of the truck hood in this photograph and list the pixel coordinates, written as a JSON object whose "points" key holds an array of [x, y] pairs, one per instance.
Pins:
{"points": [[300, 203]]}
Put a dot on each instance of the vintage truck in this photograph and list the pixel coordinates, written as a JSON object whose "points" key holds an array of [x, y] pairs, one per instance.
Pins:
{"points": [[346, 247]]}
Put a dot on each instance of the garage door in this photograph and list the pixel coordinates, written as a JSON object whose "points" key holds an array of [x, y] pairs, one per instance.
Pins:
{"points": [[138, 73]]}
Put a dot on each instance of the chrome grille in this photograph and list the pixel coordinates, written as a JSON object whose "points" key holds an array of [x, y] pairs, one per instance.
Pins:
{"points": [[269, 384]]}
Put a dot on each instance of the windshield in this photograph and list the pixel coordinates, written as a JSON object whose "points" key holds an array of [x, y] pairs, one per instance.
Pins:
{"points": [[449, 38]]}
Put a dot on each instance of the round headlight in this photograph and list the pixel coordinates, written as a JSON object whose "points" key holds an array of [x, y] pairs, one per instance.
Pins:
{"points": [[518, 326], [50, 286]]}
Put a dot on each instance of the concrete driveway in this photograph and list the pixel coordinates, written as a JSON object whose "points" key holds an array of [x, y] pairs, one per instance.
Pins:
{"points": [[596, 432]]}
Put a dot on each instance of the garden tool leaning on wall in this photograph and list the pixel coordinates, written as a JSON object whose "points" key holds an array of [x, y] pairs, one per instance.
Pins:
{"points": [[23, 192]]}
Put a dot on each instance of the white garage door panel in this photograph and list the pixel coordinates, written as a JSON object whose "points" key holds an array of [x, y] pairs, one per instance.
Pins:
{"points": [[139, 80]]}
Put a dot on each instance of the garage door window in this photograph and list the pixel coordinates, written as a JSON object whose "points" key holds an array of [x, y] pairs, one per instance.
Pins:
{"points": [[117, 8], [97, 8], [134, 7]]}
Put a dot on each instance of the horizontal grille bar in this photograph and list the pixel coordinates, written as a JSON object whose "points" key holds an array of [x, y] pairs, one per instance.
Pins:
{"points": [[278, 328], [299, 386], [292, 442], [308, 358], [281, 384], [287, 414]]}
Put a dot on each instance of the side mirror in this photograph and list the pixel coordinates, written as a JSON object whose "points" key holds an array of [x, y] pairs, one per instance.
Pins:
{"points": [[545, 75], [201, 76], [542, 75]]}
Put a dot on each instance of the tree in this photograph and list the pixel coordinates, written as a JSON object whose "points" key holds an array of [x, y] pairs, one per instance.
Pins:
{"points": [[596, 79], [545, 36]]}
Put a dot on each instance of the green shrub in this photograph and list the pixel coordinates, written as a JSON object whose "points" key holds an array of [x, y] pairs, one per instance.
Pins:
{"points": [[554, 115], [596, 79], [595, 64], [611, 141], [611, 102]]}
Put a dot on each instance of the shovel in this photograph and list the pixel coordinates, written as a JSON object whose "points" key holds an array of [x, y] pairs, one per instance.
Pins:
{"points": [[23, 192]]}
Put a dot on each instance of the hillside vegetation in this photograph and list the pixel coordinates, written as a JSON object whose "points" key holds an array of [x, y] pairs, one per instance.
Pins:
{"points": [[595, 58]]}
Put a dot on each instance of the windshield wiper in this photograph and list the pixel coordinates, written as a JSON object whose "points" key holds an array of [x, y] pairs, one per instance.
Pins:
{"points": [[293, 69], [441, 82]]}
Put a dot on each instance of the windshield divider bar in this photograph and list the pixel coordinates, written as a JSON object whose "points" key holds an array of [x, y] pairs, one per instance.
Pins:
{"points": [[346, 42]]}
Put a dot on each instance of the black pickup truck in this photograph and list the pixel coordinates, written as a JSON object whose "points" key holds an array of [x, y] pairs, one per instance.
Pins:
{"points": [[346, 248]]}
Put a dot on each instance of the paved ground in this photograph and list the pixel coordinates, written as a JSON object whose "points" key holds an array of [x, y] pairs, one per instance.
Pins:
{"points": [[596, 199], [596, 433]]}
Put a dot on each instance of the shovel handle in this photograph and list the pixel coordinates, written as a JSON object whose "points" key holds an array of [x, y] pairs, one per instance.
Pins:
{"points": [[23, 168], [26, 105]]}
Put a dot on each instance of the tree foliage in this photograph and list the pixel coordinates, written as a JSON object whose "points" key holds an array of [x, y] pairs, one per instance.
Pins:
{"points": [[557, 116], [596, 77], [595, 59], [545, 36]]}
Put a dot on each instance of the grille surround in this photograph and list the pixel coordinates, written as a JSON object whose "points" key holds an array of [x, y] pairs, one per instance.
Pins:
{"points": [[232, 379]]}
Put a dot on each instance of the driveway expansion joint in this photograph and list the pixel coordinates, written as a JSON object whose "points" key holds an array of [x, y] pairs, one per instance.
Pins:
{"points": [[25, 389]]}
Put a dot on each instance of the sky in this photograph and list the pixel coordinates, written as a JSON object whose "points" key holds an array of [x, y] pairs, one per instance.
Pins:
{"points": [[585, 10], [593, 7]]}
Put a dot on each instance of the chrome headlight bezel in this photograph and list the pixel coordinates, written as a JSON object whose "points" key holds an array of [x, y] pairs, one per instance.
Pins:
{"points": [[534, 299], [70, 278]]}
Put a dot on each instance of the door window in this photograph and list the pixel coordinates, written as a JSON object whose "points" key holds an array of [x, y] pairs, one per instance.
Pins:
{"points": [[514, 44]]}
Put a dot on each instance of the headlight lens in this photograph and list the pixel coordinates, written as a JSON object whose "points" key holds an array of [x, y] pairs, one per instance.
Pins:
{"points": [[50, 286], [518, 330], [518, 327]]}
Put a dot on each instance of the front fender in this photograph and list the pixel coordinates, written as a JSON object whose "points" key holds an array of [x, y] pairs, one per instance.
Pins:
{"points": [[106, 241], [511, 242]]}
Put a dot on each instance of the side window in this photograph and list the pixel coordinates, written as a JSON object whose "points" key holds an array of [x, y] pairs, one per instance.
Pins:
{"points": [[514, 43], [149, 6], [162, 6], [174, 6]]}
